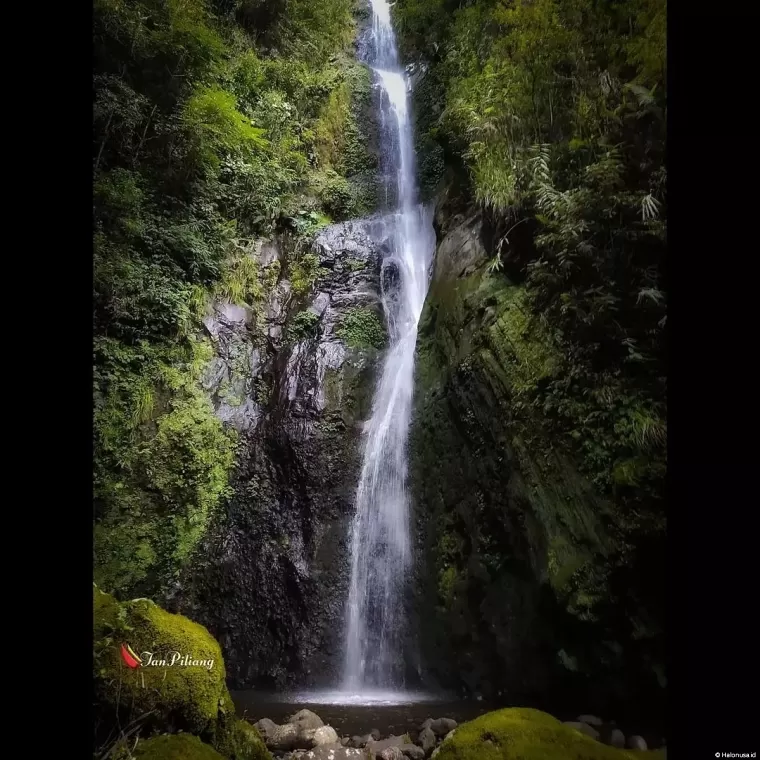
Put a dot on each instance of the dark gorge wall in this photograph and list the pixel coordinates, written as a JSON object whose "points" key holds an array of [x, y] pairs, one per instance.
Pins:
{"points": [[518, 551]]}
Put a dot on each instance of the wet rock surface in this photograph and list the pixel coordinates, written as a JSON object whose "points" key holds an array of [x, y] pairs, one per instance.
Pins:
{"points": [[271, 576]]}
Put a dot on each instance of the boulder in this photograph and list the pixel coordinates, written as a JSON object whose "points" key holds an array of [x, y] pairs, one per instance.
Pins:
{"points": [[426, 739], [361, 741], [375, 734], [300, 732], [285, 737], [323, 735], [591, 720], [267, 728], [412, 751], [637, 742], [186, 697], [191, 698], [306, 720], [442, 726], [377, 747], [584, 728]]}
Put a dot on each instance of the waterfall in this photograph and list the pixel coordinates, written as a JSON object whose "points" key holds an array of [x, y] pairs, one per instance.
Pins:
{"points": [[380, 539]]}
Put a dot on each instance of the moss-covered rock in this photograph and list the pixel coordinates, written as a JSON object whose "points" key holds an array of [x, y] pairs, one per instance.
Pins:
{"points": [[184, 697], [192, 697], [238, 740], [175, 747], [519, 733]]}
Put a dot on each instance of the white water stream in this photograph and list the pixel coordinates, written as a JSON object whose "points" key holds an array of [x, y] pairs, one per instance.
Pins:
{"points": [[380, 540]]}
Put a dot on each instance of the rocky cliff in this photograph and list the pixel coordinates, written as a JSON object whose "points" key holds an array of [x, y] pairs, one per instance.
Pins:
{"points": [[296, 381]]}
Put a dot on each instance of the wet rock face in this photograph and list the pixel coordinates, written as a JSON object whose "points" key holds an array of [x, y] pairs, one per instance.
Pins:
{"points": [[270, 579]]}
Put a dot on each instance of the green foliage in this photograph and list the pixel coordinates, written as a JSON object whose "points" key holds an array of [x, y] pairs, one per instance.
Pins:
{"points": [[205, 121], [555, 112], [302, 326], [240, 282], [211, 116], [361, 327]]}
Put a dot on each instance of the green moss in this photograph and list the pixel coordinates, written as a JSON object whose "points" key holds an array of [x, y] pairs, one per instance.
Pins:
{"points": [[524, 734], [162, 462], [349, 185], [175, 747], [361, 327], [303, 272], [184, 697], [238, 740]]}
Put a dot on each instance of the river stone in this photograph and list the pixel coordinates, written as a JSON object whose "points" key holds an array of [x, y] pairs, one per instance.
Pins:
{"points": [[267, 728], [637, 742], [591, 720], [306, 720], [344, 741], [442, 726], [615, 738], [391, 753], [284, 737], [322, 735], [377, 747], [426, 739], [584, 728], [426, 724], [360, 741], [335, 752], [375, 734], [412, 751]]}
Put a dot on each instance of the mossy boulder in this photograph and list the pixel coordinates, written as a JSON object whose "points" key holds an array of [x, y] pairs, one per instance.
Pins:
{"points": [[519, 733], [189, 697], [175, 747], [186, 697], [238, 740]]}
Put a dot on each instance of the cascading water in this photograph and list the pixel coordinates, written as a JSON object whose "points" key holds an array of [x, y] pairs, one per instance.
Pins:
{"points": [[380, 545]]}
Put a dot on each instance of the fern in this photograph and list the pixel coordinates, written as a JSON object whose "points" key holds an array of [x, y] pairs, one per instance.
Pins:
{"points": [[650, 208]]}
